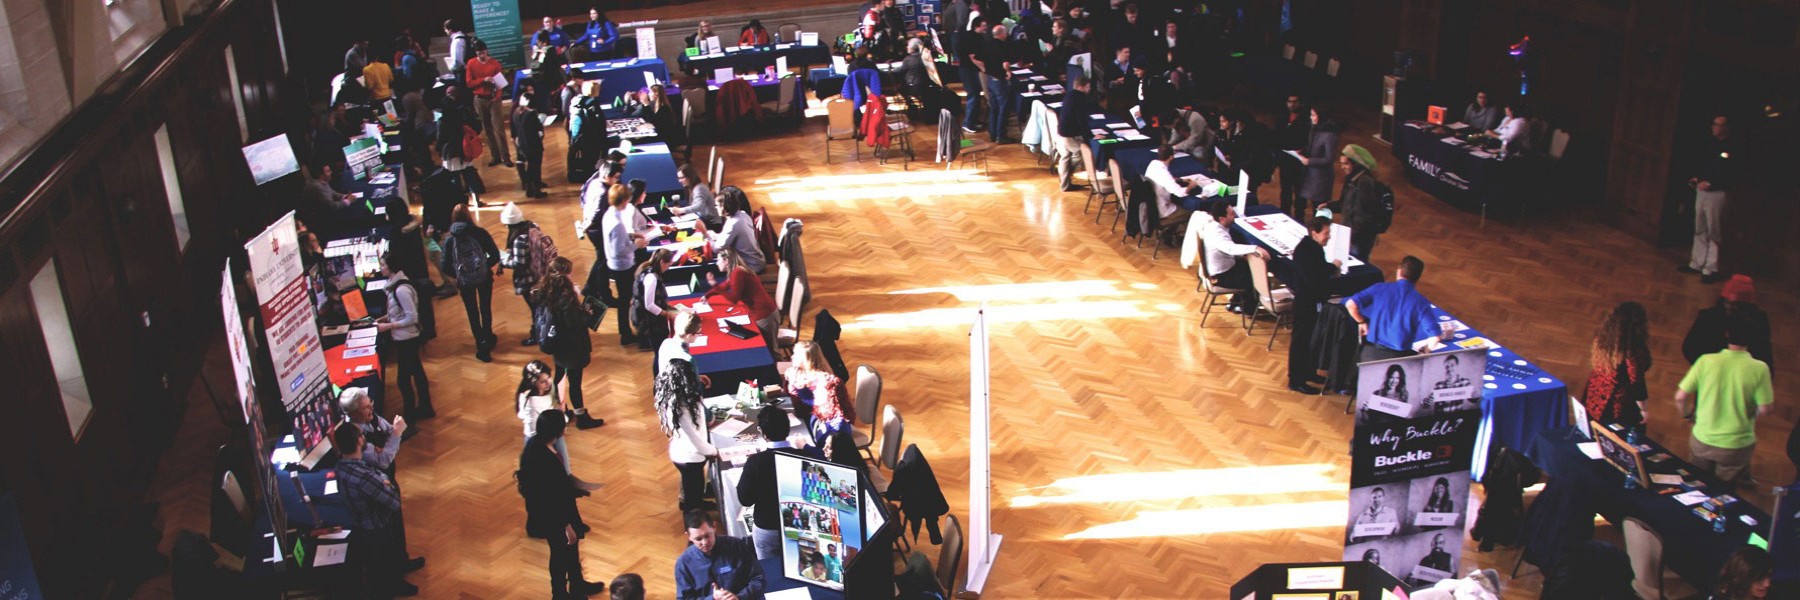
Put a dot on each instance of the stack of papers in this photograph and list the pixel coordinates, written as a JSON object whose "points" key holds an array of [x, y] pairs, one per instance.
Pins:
{"points": [[1133, 134]]}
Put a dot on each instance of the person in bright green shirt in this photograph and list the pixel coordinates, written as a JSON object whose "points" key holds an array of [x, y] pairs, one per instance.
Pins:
{"points": [[1723, 393]]}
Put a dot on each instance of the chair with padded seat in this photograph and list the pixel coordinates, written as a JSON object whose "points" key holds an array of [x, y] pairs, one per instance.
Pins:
{"points": [[1645, 547], [1100, 184], [949, 556], [1272, 301], [1213, 291], [840, 126], [868, 401], [893, 431]]}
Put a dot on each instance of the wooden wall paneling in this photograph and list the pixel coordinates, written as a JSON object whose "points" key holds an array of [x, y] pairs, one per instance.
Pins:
{"points": [[33, 429], [1645, 120], [152, 304]]}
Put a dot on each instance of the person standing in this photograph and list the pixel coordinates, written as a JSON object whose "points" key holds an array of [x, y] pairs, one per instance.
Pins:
{"points": [[401, 323], [1318, 160], [550, 511], [566, 339], [469, 253], [454, 120], [528, 137], [1736, 300], [1620, 355], [618, 243], [1394, 318], [479, 75], [1292, 133], [375, 507], [357, 56], [970, 73], [996, 58], [378, 77], [601, 35], [459, 48], [683, 419], [1364, 201], [1311, 287], [1072, 131], [650, 302], [1724, 393], [756, 486], [1716, 175], [530, 252], [716, 567]]}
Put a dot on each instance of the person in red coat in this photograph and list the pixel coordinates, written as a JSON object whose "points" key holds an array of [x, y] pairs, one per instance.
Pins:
{"points": [[746, 288]]}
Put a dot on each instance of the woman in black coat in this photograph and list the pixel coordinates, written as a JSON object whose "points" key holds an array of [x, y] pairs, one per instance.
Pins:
{"points": [[550, 512]]}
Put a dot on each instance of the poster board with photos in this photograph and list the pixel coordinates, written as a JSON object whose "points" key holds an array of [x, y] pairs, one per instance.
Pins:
{"points": [[1416, 423], [828, 516], [1619, 453]]}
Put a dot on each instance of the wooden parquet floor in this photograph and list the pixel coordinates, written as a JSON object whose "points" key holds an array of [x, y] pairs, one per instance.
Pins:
{"points": [[1136, 454]]}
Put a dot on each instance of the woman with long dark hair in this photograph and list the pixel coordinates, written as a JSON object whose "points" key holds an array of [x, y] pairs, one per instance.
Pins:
{"points": [[650, 317], [1745, 576], [1393, 385], [565, 319], [550, 512], [1620, 356], [683, 419], [1440, 502]]}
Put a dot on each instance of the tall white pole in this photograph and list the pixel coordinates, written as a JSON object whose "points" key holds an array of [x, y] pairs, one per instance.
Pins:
{"points": [[984, 544]]}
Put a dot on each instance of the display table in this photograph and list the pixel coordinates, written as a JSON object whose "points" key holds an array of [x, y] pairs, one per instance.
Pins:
{"points": [[343, 371], [1281, 264], [1103, 146], [1518, 399], [1690, 548], [755, 59], [724, 358], [737, 438], [616, 76], [655, 165], [1134, 160], [1456, 173]]}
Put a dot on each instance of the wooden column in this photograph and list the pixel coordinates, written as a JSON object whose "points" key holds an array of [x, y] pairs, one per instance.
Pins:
{"points": [[1642, 147]]}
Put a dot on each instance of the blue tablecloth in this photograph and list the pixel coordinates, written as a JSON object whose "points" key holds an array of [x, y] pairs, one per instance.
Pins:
{"points": [[653, 164], [1451, 173], [1519, 400], [1134, 160], [1690, 548], [756, 60], [1103, 152], [616, 76]]}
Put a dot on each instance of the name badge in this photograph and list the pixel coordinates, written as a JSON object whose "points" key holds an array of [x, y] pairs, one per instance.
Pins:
{"points": [[723, 569]]}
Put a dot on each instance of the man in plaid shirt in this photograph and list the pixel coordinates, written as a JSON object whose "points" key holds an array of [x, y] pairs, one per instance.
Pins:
{"points": [[375, 503]]}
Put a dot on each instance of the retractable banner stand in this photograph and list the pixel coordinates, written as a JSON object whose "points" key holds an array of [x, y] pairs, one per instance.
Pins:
{"points": [[983, 543], [1409, 475], [287, 314], [497, 25], [238, 348]]}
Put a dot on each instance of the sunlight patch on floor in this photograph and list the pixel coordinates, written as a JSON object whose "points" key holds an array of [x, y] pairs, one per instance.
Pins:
{"points": [[1023, 291], [1023, 313], [1191, 483], [1229, 519]]}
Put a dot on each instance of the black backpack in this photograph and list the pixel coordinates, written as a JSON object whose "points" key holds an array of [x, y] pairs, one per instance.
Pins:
{"points": [[467, 260], [543, 319], [1383, 205]]}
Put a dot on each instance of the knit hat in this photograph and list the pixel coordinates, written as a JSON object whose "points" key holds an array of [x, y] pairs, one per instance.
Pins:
{"points": [[1360, 156], [1740, 288], [511, 215]]}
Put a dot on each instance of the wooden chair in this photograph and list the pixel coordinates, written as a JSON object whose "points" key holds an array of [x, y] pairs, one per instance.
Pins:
{"points": [[899, 139], [840, 126], [868, 401], [1645, 547], [1121, 197], [1213, 291], [696, 100], [974, 154], [1100, 184], [949, 556], [1279, 306]]}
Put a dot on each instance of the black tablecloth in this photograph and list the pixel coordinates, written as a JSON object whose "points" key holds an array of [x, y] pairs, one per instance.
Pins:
{"points": [[1454, 175], [1690, 548], [756, 60]]}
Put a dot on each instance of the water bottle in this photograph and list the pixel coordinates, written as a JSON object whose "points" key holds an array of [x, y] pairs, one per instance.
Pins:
{"points": [[1631, 481], [1718, 523], [1631, 436]]}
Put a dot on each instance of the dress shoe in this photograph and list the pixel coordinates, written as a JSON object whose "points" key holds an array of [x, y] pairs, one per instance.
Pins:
{"points": [[1304, 390], [413, 564], [1712, 279], [509, 164], [445, 292], [587, 588], [1687, 269], [483, 356], [410, 432], [494, 163], [630, 340], [427, 412], [587, 422], [404, 589]]}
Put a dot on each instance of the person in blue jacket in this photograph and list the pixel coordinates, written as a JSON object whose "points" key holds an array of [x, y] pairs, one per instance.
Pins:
{"points": [[601, 36], [551, 34]]}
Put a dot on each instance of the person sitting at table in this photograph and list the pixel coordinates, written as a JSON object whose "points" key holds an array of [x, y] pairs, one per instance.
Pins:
{"points": [[1311, 286], [814, 387], [1192, 135], [1480, 115], [1723, 394], [1393, 316], [1364, 200], [1319, 161], [678, 394], [716, 567], [915, 81], [1223, 254], [1072, 131], [1166, 187], [738, 232], [383, 438], [754, 34], [1514, 132], [1737, 299], [550, 510], [700, 197], [1244, 143], [374, 502], [701, 31], [600, 36], [740, 285], [756, 485], [401, 323], [650, 301], [1619, 358], [1746, 575]]}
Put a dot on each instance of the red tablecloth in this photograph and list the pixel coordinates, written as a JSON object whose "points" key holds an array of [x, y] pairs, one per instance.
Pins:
{"points": [[345, 370], [717, 341]]}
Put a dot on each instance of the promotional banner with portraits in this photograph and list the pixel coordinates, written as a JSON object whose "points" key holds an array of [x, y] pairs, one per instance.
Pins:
{"points": [[1416, 419]]}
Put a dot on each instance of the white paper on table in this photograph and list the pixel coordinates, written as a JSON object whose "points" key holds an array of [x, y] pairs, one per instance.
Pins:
{"points": [[677, 290], [330, 487], [720, 402], [646, 42], [809, 38], [334, 330], [800, 593], [722, 75], [1097, 116], [1458, 126], [364, 332], [1691, 498], [839, 66], [731, 428], [1590, 449], [330, 554], [712, 45], [699, 342], [687, 219], [1665, 479], [341, 534], [781, 65], [1021, 71], [1133, 134], [653, 233], [648, 211], [285, 455], [354, 343], [1243, 193], [361, 351], [1118, 125], [1102, 132], [701, 308]]}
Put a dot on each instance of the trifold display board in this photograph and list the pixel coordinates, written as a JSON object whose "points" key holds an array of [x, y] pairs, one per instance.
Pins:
{"points": [[1355, 580], [829, 515], [1409, 466]]}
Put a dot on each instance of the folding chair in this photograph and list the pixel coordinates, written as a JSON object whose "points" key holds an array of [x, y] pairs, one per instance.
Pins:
{"points": [[1121, 198], [1213, 291], [1100, 184], [1268, 302], [840, 126], [868, 400]]}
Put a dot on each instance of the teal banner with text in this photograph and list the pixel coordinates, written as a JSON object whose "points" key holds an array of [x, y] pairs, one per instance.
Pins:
{"points": [[497, 25]]}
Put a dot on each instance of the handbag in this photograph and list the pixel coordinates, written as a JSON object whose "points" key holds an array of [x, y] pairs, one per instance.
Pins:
{"points": [[596, 311], [471, 144]]}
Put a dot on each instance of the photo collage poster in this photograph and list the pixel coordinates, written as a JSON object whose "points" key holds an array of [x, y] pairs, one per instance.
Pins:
{"points": [[821, 519], [1416, 419]]}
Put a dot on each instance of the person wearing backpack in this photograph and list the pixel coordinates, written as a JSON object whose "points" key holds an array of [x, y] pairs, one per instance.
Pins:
{"points": [[561, 318], [1367, 204], [459, 142], [650, 308], [401, 323], [469, 253], [530, 251]]}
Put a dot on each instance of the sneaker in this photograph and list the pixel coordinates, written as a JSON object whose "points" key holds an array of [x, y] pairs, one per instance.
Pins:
{"points": [[968, 129], [483, 356], [587, 588], [1305, 390], [495, 163], [1687, 269]]}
